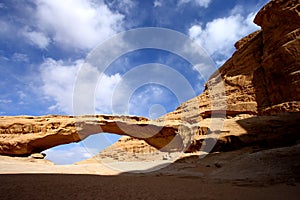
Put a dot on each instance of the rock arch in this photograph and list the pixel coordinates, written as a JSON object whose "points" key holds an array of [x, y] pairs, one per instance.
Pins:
{"points": [[23, 135]]}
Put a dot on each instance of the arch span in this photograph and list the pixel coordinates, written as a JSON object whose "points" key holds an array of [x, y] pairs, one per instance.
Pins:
{"points": [[23, 135]]}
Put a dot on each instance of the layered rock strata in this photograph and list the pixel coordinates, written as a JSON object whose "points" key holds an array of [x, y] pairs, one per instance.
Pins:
{"points": [[23, 135]]}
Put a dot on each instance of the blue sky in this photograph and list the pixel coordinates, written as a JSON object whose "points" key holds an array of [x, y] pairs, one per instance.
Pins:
{"points": [[44, 43]]}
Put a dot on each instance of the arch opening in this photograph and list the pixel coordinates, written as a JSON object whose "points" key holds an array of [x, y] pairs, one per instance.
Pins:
{"points": [[71, 153]]}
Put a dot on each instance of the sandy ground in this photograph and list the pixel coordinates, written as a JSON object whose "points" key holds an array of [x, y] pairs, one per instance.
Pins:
{"points": [[244, 174], [58, 186]]}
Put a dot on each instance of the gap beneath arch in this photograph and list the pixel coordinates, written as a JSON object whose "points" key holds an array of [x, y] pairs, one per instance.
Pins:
{"points": [[74, 152]]}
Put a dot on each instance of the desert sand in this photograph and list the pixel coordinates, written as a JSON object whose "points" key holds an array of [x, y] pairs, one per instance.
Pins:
{"points": [[249, 173]]}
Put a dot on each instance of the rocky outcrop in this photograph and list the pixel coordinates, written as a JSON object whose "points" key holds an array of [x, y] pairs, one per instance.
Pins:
{"points": [[126, 149], [280, 61], [23, 135], [239, 131], [263, 75]]}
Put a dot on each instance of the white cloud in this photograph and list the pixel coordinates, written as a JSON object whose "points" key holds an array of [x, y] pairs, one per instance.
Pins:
{"points": [[20, 57], [4, 27], [157, 3], [218, 36], [104, 93], [37, 38], [58, 83], [201, 3], [124, 6], [5, 101], [141, 102], [79, 24], [59, 80]]}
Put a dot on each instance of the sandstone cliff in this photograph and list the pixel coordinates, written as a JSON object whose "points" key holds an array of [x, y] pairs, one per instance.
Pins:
{"points": [[263, 75]]}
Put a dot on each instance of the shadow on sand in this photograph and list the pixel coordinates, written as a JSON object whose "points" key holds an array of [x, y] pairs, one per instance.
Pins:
{"points": [[63, 186]]}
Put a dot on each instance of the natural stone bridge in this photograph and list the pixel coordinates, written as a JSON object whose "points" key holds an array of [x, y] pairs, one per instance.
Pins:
{"points": [[23, 135]]}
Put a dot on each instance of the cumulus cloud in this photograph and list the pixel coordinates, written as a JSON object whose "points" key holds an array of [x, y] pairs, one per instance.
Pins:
{"points": [[201, 3], [58, 83], [37, 38], [59, 79], [79, 24], [109, 94], [124, 6], [219, 35], [104, 93]]}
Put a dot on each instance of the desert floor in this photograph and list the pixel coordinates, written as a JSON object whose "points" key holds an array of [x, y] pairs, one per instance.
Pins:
{"points": [[63, 186], [249, 173]]}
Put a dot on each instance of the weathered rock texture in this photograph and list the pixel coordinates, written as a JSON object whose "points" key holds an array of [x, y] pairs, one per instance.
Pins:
{"points": [[261, 78], [127, 149], [23, 135], [240, 131], [280, 61]]}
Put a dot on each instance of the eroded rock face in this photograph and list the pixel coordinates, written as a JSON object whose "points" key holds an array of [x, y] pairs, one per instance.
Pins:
{"points": [[126, 149], [263, 75], [280, 61], [23, 135]]}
